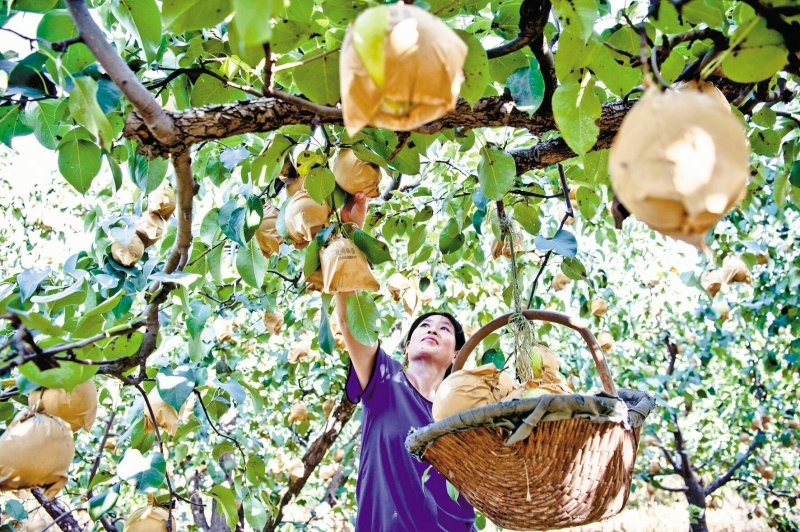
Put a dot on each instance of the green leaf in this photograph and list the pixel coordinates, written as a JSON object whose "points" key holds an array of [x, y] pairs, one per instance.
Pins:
{"points": [[573, 55], [494, 356], [86, 111], [362, 318], [375, 250], [267, 166], [619, 78], [209, 90], [175, 386], [147, 174], [79, 163], [588, 202], [311, 260], [186, 15], [794, 175], [579, 14], [252, 19], [15, 510], [100, 504], [30, 279], [227, 501], [255, 512], [143, 20], [325, 335], [573, 268], [476, 69], [417, 238], [251, 264], [576, 107], [319, 80], [563, 243], [760, 54], [146, 474], [47, 118], [496, 173], [528, 218], [11, 124], [527, 87], [501, 67], [320, 183], [451, 239], [452, 492], [232, 220]]}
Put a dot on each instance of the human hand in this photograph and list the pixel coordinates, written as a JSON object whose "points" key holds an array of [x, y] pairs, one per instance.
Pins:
{"points": [[355, 210]]}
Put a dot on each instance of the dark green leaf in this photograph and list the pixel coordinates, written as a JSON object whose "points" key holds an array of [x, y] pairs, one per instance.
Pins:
{"points": [[320, 183], [325, 335], [79, 163], [251, 264], [362, 318], [311, 261], [175, 386], [573, 268], [527, 87], [494, 356], [103, 502], [375, 250]]}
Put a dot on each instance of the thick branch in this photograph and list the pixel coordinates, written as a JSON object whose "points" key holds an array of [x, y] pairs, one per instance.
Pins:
{"points": [[185, 190], [724, 479], [159, 121], [531, 26], [316, 452], [61, 515]]}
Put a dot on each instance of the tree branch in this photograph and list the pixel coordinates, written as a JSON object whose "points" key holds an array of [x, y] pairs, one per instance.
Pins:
{"points": [[724, 479], [92, 339], [316, 452], [185, 191], [61, 515], [530, 27], [158, 121]]}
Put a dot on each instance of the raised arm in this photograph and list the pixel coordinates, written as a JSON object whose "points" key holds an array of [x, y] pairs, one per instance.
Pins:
{"points": [[362, 356]]}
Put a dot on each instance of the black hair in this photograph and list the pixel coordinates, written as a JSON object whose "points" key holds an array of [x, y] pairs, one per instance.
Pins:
{"points": [[458, 331]]}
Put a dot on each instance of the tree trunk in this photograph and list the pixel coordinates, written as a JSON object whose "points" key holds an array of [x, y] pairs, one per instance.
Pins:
{"points": [[696, 497]]}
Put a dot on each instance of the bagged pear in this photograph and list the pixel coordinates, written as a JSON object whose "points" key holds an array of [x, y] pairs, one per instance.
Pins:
{"points": [[400, 67], [305, 218], [166, 416], [599, 307], [294, 184], [162, 201], [605, 340], [315, 281], [273, 321], [354, 175], [129, 254], [712, 281], [299, 351], [150, 228], [150, 518], [680, 161], [735, 270], [78, 407], [344, 268], [397, 284], [267, 237], [470, 388], [549, 381], [560, 281], [36, 450], [298, 412]]}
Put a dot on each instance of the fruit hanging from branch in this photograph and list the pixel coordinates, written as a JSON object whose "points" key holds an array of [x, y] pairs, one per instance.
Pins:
{"points": [[354, 175], [305, 218], [345, 269], [78, 407], [36, 450], [400, 67], [680, 161]]}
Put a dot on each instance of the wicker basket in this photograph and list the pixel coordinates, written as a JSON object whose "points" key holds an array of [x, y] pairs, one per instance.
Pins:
{"points": [[546, 462]]}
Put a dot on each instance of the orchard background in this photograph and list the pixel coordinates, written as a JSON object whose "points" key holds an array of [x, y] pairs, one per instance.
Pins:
{"points": [[220, 97]]}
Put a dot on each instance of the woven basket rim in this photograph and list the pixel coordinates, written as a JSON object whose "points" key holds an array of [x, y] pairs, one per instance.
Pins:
{"points": [[630, 408]]}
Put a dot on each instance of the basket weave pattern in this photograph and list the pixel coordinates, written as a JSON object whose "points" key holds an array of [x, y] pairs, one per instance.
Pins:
{"points": [[574, 455], [549, 490]]}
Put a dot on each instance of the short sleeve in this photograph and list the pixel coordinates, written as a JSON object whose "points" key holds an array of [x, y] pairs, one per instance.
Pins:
{"points": [[384, 369]]}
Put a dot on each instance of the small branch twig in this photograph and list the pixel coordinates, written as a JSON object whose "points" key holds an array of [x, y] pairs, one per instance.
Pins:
{"points": [[565, 192], [728, 475], [61, 515], [230, 438]]}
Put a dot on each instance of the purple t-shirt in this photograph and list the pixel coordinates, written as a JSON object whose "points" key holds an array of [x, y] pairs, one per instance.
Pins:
{"points": [[389, 491]]}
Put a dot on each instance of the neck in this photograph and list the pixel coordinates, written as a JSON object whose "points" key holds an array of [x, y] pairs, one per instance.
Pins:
{"points": [[425, 377]]}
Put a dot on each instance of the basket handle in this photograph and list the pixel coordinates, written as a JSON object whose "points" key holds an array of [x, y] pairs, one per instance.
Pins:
{"points": [[543, 315]]}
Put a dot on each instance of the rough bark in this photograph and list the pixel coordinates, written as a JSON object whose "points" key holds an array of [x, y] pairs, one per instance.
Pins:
{"points": [[316, 452], [60, 514]]}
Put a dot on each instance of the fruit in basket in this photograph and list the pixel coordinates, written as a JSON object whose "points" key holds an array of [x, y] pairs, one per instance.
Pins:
{"points": [[470, 388]]}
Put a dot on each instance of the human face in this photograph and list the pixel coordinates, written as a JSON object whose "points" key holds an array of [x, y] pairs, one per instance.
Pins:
{"points": [[434, 340]]}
